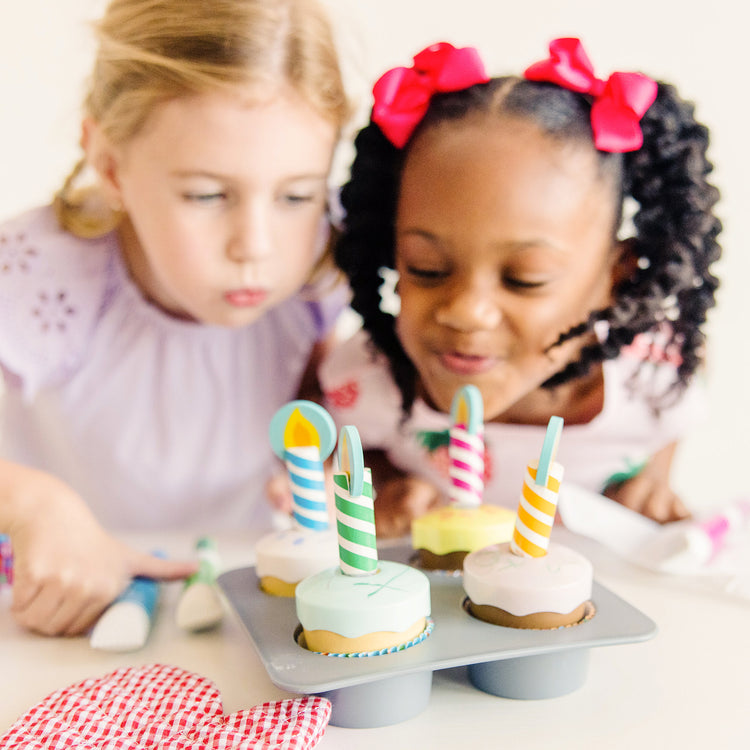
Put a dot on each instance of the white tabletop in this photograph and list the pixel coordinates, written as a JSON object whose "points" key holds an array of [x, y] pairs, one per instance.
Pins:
{"points": [[688, 687]]}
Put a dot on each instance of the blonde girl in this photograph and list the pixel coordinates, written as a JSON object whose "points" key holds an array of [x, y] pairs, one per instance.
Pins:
{"points": [[160, 311]]}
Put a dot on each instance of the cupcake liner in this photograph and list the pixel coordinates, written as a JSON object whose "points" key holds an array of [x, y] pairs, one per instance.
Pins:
{"points": [[299, 637], [589, 612], [445, 572]]}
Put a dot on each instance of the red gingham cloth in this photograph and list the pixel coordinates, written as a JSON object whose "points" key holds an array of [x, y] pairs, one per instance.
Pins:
{"points": [[158, 706]]}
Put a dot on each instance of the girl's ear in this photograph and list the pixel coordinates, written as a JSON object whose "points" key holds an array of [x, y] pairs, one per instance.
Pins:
{"points": [[104, 159]]}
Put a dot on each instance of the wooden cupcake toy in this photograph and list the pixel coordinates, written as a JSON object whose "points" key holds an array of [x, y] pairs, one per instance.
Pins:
{"points": [[530, 582], [364, 606], [303, 435], [443, 537]]}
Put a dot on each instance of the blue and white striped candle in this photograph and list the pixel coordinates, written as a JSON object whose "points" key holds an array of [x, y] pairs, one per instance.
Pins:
{"points": [[307, 479], [303, 435]]}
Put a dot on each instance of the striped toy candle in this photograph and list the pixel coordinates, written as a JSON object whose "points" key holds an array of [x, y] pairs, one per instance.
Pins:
{"points": [[303, 435], [355, 514], [538, 503], [466, 448]]}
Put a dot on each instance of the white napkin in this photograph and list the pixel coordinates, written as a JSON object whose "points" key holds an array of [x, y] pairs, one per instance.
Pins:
{"points": [[684, 548]]}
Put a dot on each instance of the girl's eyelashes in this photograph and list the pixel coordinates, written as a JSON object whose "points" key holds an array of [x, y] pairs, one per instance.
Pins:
{"points": [[302, 192], [427, 275], [298, 198], [207, 197], [519, 283]]}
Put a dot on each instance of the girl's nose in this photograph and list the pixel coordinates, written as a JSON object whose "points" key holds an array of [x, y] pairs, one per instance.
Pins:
{"points": [[251, 238], [472, 307]]}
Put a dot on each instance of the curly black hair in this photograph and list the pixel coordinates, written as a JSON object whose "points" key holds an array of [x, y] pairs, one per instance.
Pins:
{"points": [[675, 227]]}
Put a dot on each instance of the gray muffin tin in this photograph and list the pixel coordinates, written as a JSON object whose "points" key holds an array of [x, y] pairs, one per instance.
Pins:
{"points": [[380, 690]]}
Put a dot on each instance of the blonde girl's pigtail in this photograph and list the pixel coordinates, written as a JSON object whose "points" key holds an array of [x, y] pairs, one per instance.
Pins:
{"points": [[82, 210]]}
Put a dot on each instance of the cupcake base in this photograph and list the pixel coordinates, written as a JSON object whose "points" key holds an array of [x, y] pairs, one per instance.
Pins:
{"points": [[372, 644], [535, 621], [277, 587], [451, 562]]}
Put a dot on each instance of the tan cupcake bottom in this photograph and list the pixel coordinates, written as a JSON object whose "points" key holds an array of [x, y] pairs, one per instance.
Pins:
{"points": [[430, 561], [330, 642], [535, 620], [277, 587]]}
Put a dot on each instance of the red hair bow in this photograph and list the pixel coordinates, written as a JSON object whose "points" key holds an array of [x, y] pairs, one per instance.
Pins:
{"points": [[402, 95], [619, 102]]}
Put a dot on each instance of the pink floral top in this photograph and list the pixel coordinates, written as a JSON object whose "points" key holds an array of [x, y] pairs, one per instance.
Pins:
{"points": [[153, 420], [613, 446]]}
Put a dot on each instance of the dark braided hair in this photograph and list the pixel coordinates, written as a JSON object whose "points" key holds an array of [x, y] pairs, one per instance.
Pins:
{"points": [[675, 228]]}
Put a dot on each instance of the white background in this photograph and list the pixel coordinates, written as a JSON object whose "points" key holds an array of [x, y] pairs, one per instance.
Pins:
{"points": [[46, 51]]}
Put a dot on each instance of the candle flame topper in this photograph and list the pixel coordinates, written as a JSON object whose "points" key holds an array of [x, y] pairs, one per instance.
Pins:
{"points": [[303, 435], [355, 514], [538, 502], [466, 448]]}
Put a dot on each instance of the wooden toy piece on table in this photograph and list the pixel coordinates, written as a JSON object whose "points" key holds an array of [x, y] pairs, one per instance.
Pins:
{"points": [[303, 435], [531, 582], [200, 606], [125, 625], [364, 606], [443, 537]]}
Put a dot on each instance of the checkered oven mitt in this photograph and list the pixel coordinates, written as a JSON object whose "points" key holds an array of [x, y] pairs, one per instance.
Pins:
{"points": [[158, 706]]}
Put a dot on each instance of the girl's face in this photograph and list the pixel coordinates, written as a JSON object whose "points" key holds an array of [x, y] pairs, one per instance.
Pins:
{"points": [[225, 203], [504, 240]]}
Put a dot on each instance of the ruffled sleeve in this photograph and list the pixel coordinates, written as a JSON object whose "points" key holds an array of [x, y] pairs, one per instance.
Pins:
{"points": [[53, 287], [359, 390]]}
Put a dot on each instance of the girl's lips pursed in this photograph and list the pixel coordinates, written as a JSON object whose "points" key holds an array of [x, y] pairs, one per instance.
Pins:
{"points": [[246, 297], [466, 364]]}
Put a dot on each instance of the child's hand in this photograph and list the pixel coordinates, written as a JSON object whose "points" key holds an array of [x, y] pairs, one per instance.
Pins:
{"points": [[279, 493], [66, 568], [649, 496], [648, 492], [399, 501]]}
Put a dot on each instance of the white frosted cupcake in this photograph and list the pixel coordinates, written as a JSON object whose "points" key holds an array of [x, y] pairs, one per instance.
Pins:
{"points": [[528, 592], [284, 558]]}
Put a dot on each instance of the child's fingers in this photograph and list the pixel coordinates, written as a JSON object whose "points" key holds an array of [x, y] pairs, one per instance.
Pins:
{"points": [[664, 506], [150, 566], [84, 619], [279, 494], [60, 604]]}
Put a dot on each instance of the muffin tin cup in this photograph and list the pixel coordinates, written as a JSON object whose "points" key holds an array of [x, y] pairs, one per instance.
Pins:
{"points": [[532, 677], [381, 702]]}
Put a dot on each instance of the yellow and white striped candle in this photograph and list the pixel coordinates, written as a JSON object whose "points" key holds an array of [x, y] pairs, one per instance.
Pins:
{"points": [[536, 512], [538, 502]]}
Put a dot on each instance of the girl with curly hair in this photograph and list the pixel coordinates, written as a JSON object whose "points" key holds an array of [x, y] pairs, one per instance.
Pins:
{"points": [[552, 236]]}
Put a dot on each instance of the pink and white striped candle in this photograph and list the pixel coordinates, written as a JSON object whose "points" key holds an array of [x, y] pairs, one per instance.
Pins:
{"points": [[466, 448]]}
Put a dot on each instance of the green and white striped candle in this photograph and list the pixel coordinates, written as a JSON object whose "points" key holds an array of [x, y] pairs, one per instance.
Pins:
{"points": [[355, 513]]}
